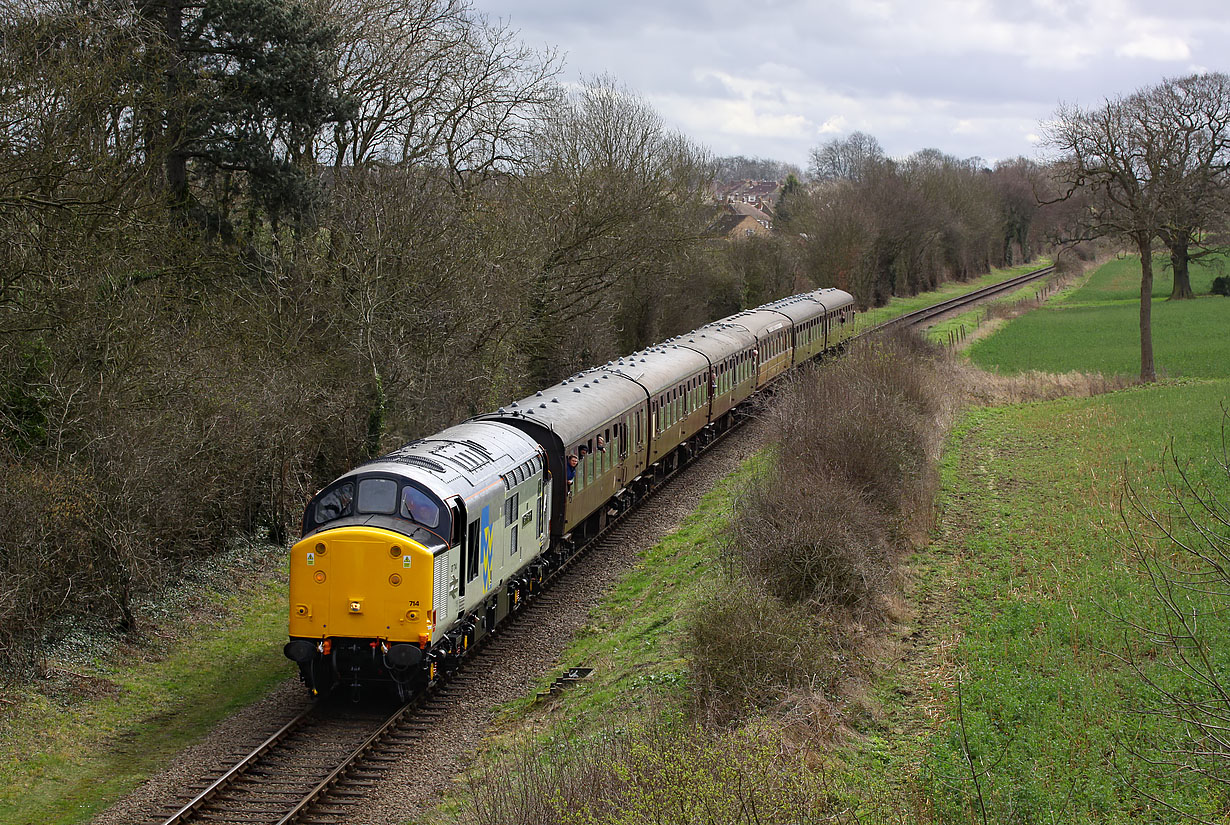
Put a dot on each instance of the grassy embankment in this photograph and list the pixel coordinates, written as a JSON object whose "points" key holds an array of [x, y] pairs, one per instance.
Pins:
{"points": [[1015, 601], [112, 711]]}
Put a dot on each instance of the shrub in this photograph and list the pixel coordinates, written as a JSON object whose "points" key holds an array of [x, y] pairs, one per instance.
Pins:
{"points": [[813, 541], [1221, 285], [750, 650], [664, 771], [852, 472]]}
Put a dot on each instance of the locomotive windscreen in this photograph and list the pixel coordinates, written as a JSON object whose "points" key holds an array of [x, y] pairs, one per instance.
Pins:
{"points": [[381, 496]]}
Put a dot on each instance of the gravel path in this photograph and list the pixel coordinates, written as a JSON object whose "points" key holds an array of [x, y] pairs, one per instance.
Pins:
{"points": [[404, 794]]}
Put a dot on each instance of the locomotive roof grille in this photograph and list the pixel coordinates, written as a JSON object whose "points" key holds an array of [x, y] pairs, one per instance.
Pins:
{"points": [[418, 461]]}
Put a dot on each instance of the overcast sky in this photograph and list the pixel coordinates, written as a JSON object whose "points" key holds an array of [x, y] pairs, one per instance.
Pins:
{"points": [[774, 78]]}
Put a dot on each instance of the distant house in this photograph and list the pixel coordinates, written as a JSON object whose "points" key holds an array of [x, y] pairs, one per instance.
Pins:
{"points": [[762, 193], [733, 226], [758, 210]]}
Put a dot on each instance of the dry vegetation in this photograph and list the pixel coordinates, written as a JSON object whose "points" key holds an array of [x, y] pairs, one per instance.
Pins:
{"points": [[817, 536], [669, 773]]}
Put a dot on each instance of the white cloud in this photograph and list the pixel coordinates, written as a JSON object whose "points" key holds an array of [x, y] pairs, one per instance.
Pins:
{"points": [[836, 125], [969, 77], [1153, 47]]}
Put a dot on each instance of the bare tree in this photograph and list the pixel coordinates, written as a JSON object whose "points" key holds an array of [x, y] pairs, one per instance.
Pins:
{"points": [[1116, 151], [1154, 164], [615, 197], [1197, 108], [434, 83], [850, 158]]}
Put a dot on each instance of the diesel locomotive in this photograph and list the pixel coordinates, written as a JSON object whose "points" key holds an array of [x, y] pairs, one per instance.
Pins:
{"points": [[408, 560]]}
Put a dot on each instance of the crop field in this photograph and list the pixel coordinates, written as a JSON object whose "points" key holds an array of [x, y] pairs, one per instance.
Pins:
{"points": [[1097, 328]]}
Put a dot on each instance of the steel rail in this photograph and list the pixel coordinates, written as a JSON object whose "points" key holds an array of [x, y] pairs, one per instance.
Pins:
{"points": [[352, 759], [926, 313], [238, 769]]}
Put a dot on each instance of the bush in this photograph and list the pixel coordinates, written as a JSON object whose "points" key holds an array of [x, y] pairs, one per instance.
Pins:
{"points": [[852, 475], [814, 539], [1221, 285], [665, 771], [750, 650]]}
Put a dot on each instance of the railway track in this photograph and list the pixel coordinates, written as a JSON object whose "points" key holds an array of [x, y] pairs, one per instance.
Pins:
{"points": [[321, 765], [921, 316]]}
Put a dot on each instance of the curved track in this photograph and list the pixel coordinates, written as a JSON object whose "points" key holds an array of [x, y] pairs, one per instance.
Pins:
{"points": [[320, 765]]}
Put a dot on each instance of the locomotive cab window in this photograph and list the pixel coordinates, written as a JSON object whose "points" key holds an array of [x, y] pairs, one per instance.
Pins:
{"points": [[378, 495], [472, 553], [421, 507], [336, 503]]}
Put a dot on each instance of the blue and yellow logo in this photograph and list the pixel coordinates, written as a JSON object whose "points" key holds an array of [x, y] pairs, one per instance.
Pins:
{"points": [[485, 547]]}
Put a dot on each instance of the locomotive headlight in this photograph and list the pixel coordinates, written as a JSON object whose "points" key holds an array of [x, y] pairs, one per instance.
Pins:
{"points": [[320, 548], [319, 575], [395, 579], [395, 551]]}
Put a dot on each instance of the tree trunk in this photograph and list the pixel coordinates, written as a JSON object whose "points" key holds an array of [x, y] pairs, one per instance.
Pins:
{"points": [[1147, 373], [176, 159], [1179, 258]]}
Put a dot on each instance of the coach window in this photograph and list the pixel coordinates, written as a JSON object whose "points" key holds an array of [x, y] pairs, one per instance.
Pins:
{"points": [[335, 503]]}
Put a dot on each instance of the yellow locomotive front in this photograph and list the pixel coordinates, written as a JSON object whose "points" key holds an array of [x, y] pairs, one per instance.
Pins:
{"points": [[361, 587]]}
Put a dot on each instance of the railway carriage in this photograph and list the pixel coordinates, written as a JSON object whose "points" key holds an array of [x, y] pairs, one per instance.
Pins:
{"points": [[575, 414], [409, 559]]}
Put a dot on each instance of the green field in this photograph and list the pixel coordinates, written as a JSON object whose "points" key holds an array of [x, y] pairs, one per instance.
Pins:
{"points": [[1096, 328]]}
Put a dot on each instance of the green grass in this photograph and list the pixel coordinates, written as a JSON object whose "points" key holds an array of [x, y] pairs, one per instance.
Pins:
{"points": [[1022, 591], [901, 305], [1031, 560], [634, 637], [65, 760], [1097, 329]]}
